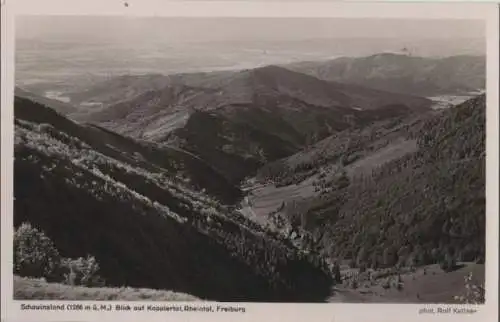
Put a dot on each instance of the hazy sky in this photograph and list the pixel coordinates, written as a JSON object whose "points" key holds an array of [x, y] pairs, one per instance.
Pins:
{"points": [[69, 45], [158, 36], [216, 29]]}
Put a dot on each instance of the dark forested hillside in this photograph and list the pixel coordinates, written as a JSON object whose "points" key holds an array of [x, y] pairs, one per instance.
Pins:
{"points": [[252, 136], [175, 163], [95, 192], [418, 208]]}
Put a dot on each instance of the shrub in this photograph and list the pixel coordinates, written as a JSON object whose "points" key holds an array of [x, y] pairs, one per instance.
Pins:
{"points": [[474, 294], [35, 254], [82, 271]]}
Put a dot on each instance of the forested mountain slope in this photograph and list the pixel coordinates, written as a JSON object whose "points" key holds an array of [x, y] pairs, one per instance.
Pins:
{"points": [[95, 192], [421, 207]]}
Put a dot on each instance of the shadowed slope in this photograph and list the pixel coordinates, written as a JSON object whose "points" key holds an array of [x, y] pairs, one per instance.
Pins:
{"points": [[146, 227]]}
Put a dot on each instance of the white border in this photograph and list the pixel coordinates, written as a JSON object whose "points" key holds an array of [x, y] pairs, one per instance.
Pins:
{"points": [[264, 312], [241, 8]]}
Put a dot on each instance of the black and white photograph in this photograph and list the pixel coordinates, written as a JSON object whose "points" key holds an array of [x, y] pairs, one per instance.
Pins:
{"points": [[249, 159]]}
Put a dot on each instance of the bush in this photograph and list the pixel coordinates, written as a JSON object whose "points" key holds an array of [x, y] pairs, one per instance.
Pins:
{"points": [[474, 294], [35, 254], [82, 271]]}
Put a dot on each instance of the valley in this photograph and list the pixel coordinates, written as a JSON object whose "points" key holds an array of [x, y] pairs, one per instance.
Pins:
{"points": [[260, 184]]}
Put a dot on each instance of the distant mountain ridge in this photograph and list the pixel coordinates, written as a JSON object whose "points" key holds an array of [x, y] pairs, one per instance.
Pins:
{"points": [[403, 73], [224, 92], [236, 121], [240, 87], [248, 117]]}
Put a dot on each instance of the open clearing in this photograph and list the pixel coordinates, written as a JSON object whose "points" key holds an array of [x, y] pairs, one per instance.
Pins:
{"points": [[267, 198]]}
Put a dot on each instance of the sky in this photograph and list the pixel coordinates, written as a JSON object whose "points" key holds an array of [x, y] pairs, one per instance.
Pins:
{"points": [[59, 47], [224, 29]]}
